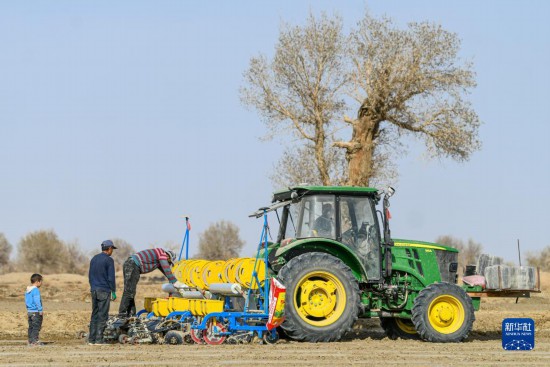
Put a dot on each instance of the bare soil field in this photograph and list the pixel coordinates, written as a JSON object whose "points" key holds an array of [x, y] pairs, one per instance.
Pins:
{"points": [[67, 312]]}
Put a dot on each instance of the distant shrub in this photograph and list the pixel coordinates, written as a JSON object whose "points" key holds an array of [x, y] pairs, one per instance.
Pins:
{"points": [[76, 261], [220, 241], [468, 253], [5, 252], [43, 252], [123, 251], [540, 259]]}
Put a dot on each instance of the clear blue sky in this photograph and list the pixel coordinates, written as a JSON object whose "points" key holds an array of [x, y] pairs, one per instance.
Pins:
{"points": [[118, 117]]}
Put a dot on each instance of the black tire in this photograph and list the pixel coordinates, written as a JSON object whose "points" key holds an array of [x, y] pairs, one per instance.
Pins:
{"points": [[282, 334], [173, 337], [270, 338], [398, 328], [443, 313], [341, 305]]}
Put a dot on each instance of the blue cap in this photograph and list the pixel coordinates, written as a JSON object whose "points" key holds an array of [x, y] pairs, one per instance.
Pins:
{"points": [[105, 245]]}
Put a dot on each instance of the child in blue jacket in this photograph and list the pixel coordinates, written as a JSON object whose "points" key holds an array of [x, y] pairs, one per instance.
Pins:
{"points": [[34, 309]]}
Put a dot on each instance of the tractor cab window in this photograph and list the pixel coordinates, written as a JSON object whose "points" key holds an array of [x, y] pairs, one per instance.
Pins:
{"points": [[314, 217], [291, 231], [360, 232]]}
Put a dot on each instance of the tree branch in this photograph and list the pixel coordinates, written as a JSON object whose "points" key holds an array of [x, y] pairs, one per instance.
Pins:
{"points": [[349, 146], [349, 120]]}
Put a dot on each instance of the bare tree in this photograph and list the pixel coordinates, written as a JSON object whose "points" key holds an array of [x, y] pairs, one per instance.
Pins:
{"points": [[42, 252], [220, 241], [400, 81], [297, 166], [5, 252], [408, 81], [300, 90], [123, 251]]}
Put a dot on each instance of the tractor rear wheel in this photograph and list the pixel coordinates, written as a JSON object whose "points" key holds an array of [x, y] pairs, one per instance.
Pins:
{"points": [[322, 298], [398, 328], [443, 313]]}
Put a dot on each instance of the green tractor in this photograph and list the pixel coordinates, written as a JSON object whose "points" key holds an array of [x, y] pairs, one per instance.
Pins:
{"points": [[335, 255]]}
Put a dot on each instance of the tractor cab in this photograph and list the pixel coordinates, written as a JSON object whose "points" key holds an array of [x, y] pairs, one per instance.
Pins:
{"points": [[334, 218]]}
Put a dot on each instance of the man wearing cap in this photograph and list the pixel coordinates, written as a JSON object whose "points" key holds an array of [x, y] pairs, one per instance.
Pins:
{"points": [[103, 287], [144, 262]]}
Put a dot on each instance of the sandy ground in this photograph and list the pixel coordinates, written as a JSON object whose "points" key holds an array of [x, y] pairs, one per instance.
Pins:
{"points": [[67, 307]]}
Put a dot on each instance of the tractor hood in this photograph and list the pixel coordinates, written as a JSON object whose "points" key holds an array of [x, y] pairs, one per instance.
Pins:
{"points": [[422, 244]]}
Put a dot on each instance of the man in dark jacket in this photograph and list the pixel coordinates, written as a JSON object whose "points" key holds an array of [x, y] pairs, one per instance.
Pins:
{"points": [[141, 263], [103, 287]]}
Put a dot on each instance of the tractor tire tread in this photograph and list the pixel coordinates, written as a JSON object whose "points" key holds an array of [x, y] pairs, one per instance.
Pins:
{"points": [[292, 325], [419, 313]]}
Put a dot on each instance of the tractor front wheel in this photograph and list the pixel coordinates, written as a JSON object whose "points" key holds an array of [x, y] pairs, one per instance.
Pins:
{"points": [[322, 298], [443, 313]]}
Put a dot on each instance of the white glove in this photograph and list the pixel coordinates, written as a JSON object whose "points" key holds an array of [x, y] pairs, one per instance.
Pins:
{"points": [[179, 285]]}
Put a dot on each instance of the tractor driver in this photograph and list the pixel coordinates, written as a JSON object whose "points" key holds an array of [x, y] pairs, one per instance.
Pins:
{"points": [[323, 224]]}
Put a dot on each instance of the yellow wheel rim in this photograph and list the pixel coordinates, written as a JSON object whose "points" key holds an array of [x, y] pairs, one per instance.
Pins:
{"points": [[244, 272], [196, 274], [406, 326], [446, 314], [320, 298], [229, 271], [177, 270], [212, 273], [186, 272]]}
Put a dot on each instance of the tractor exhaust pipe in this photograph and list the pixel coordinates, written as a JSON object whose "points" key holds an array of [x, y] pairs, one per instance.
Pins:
{"points": [[388, 243]]}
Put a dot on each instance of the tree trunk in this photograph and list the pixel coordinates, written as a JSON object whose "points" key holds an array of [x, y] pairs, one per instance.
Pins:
{"points": [[361, 151], [320, 156]]}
